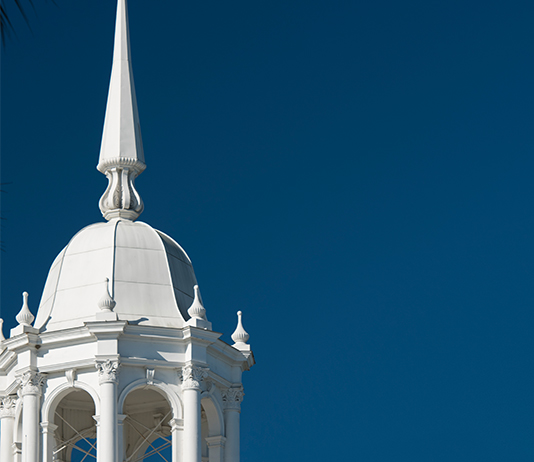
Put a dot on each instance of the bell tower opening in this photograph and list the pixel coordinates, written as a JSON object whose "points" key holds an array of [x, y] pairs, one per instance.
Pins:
{"points": [[75, 432], [147, 426]]}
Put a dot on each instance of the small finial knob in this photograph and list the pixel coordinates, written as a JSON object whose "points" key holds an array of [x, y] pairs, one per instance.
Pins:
{"points": [[106, 303], [240, 335], [196, 310], [25, 317]]}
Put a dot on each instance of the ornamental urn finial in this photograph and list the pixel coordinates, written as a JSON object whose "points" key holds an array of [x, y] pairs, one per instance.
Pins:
{"points": [[240, 335], [106, 303], [197, 310], [25, 317]]}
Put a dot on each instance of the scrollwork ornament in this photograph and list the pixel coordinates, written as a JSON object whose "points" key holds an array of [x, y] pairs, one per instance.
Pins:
{"points": [[31, 383], [233, 397], [108, 371], [192, 376], [7, 406]]}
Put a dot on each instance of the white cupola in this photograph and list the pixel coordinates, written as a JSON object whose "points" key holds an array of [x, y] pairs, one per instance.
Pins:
{"points": [[120, 362]]}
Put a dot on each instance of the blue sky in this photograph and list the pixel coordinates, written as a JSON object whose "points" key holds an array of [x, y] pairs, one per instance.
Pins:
{"points": [[356, 177]]}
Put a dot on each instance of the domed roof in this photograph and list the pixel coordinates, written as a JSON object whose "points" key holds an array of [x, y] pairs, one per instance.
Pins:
{"points": [[151, 278]]}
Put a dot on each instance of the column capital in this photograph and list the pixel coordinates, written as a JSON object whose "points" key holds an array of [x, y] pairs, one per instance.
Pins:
{"points": [[232, 398], [7, 406], [31, 383], [108, 371], [192, 376]]}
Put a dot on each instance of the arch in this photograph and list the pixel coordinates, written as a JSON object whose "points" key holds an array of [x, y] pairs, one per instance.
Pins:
{"points": [[214, 415], [58, 393], [161, 387]]}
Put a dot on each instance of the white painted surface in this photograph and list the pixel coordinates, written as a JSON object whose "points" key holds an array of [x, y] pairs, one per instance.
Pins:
{"points": [[151, 280]]}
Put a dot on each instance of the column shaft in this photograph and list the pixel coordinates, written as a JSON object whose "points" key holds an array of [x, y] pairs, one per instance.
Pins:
{"points": [[6, 438], [108, 443], [231, 422], [191, 443], [30, 428]]}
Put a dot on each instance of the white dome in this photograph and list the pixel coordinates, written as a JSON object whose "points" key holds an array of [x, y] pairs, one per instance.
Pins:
{"points": [[150, 277]]}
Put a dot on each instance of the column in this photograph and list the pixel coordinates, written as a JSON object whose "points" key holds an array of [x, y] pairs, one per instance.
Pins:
{"points": [[120, 423], [232, 398], [108, 429], [216, 448], [49, 440], [177, 430], [191, 378], [30, 391], [7, 422]]}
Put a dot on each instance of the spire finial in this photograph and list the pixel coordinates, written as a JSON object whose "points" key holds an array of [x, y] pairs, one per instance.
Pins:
{"points": [[240, 335], [25, 317], [121, 153]]}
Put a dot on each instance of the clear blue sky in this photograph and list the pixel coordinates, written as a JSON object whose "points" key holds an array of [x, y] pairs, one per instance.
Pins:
{"points": [[356, 177]]}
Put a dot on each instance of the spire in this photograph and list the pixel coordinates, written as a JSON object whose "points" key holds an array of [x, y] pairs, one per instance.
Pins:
{"points": [[121, 152]]}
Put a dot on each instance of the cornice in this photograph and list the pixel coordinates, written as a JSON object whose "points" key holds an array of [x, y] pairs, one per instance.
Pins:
{"points": [[22, 342], [7, 359], [66, 336], [200, 336], [221, 350], [86, 363], [106, 329]]}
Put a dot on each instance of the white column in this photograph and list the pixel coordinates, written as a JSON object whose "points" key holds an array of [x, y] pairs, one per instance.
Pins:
{"points": [[31, 390], [107, 443], [120, 423], [49, 440], [232, 398], [177, 431], [7, 423], [191, 378], [216, 448]]}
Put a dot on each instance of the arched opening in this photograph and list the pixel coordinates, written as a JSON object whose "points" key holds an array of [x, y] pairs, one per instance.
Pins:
{"points": [[212, 429], [75, 435], [146, 426]]}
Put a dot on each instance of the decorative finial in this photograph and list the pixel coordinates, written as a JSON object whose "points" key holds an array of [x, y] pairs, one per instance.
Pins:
{"points": [[121, 153], [25, 317], [196, 310], [240, 336], [106, 303], [198, 313], [2, 338]]}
